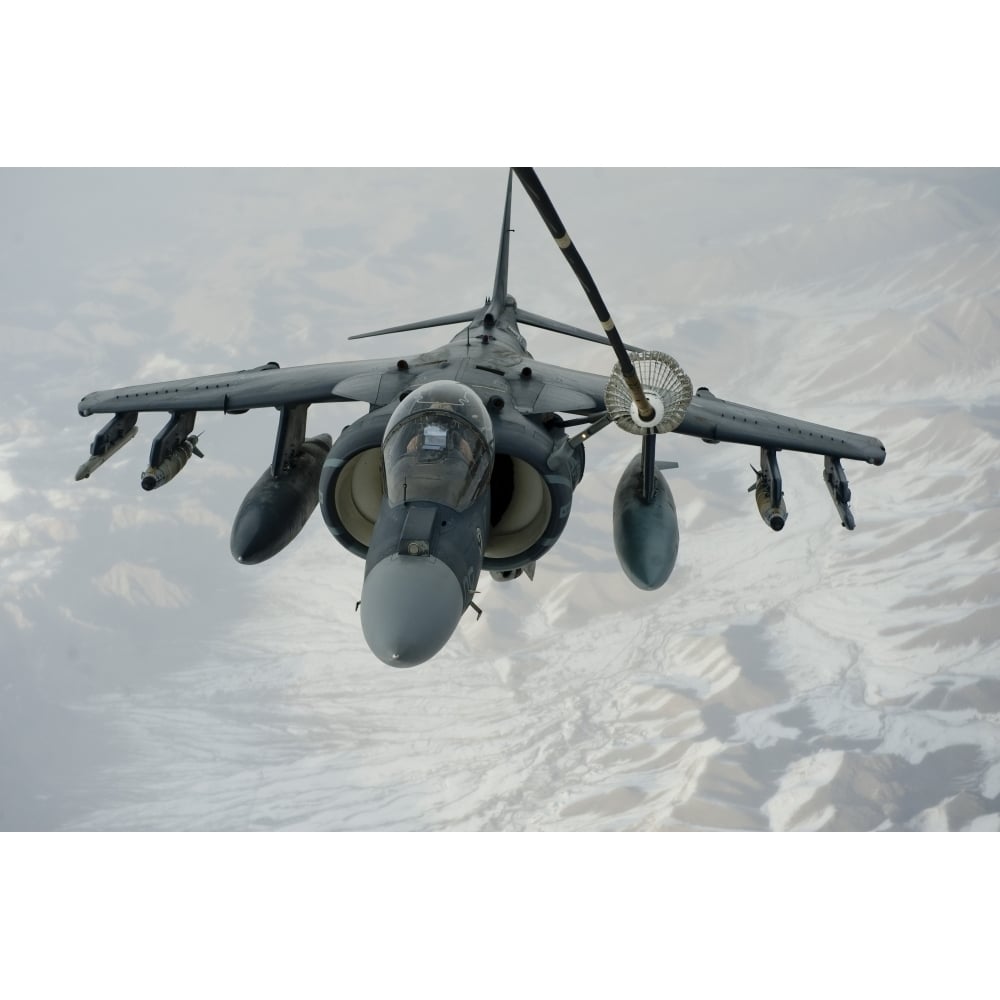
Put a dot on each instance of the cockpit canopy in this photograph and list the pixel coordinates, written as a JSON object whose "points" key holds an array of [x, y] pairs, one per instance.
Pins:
{"points": [[438, 446]]}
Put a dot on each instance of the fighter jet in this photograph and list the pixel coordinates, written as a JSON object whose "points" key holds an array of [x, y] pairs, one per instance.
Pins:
{"points": [[469, 454]]}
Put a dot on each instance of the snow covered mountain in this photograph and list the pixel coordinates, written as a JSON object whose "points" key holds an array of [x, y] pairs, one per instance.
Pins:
{"points": [[812, 679]]}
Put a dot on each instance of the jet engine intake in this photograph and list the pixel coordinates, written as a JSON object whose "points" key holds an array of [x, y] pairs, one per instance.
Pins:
{"points": [[535, 472], [351, 486]]}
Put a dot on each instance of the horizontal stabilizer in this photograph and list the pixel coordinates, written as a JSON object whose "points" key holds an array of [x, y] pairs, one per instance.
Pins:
{"points": [[424, 324], [532, 319]]}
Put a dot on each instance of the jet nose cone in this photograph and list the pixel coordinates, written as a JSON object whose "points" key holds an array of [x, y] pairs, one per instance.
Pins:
{"points": [[410, 605]]}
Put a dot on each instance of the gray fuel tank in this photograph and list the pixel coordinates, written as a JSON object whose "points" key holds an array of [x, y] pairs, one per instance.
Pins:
{"points": [[646, 534]]}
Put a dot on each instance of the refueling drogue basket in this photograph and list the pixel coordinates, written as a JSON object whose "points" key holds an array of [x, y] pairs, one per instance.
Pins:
{"points": [[664, 382]]}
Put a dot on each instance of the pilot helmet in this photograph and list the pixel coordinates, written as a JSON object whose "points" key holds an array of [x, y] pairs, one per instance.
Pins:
{"points": [[430, 440]]}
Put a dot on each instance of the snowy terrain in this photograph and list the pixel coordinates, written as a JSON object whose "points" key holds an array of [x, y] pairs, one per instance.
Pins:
{"points": [[812, 679]]}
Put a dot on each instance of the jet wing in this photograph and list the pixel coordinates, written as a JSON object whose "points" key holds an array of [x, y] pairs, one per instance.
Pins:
{"points": [[713, 419], [269, 385], [291, 390], [549, 388]]}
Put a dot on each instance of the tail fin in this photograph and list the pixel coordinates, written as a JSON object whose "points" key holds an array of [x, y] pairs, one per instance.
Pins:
{"points": [[499, 297], [496, 303]]}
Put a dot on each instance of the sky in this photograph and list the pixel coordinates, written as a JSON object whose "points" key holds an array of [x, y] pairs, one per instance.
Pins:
{"points": [[147, 679]]}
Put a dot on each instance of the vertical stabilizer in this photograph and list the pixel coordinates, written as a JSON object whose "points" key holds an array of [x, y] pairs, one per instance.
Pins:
{"points": [[499, 296]]}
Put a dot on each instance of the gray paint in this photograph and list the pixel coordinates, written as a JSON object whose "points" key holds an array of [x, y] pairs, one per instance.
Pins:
{"points": [[489, 356]]}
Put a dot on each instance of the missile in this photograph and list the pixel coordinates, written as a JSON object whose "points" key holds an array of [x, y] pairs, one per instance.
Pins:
{"points": [[774, 516], [156, 476], [840, 492], [277, 507], [767, 487], [96, 461], [645, 532], [108, 441]]}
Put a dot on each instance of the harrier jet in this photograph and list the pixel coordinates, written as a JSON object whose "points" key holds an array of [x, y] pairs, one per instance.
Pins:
{"points": [[469, 454]]}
